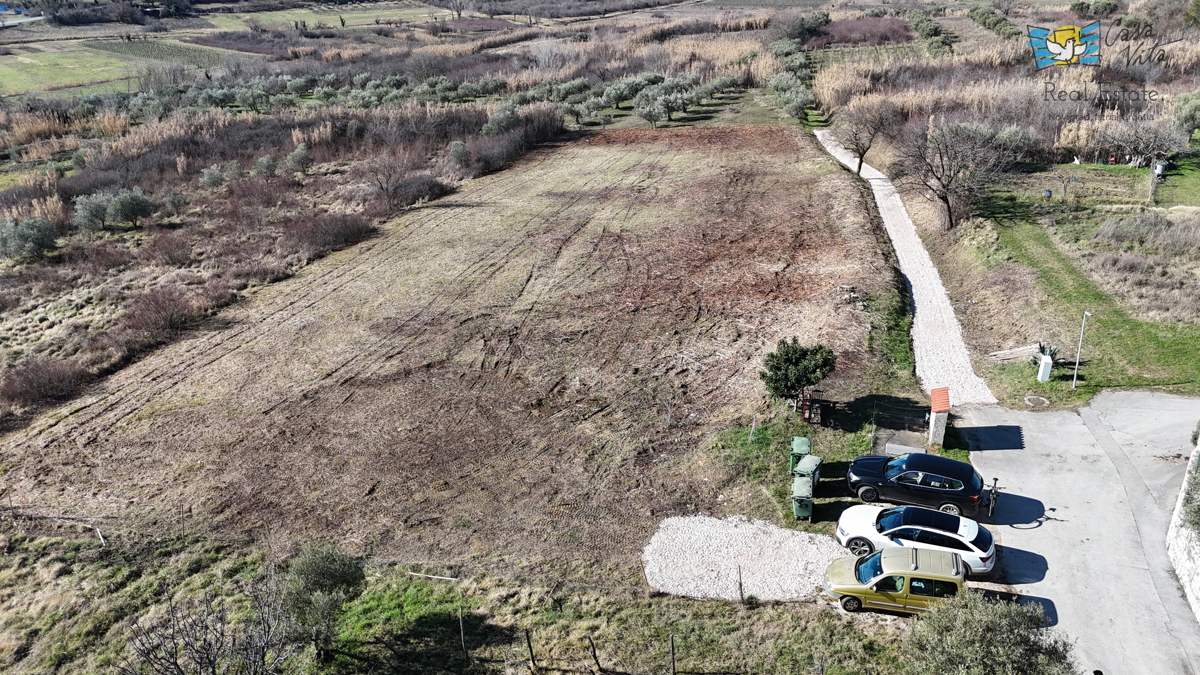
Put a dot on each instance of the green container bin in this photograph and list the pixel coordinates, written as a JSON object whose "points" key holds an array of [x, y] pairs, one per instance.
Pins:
{"points": [[801, 447], [809, 465], [802, 497]]}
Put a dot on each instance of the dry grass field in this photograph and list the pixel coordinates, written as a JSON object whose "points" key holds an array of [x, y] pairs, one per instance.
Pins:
{"points": [[520, 373]]}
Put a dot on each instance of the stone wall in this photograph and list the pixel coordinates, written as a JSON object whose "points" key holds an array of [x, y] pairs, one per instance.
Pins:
{"points": [[1183, 544]]}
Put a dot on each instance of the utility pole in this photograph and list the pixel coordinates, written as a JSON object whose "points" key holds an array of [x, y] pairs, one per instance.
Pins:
{"points": [[1079, 348]]}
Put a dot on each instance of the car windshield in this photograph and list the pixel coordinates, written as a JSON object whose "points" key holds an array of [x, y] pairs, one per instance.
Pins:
{"points": [[976, 483], [983, 540], [890, 519], [869, 567], [895, 466]]}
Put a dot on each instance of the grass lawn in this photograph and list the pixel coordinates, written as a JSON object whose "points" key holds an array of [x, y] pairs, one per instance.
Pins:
{"points": [[1182, 184], [22, 73], [1118, 350]]}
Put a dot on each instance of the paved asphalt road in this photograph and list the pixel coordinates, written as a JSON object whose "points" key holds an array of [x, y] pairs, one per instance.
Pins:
{"points": [[1082, 520]]}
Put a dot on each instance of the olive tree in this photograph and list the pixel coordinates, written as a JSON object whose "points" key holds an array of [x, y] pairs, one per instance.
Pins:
{"points": [[128, 206], [25, 238], [320, 580], [793, 368], [973, 635]]}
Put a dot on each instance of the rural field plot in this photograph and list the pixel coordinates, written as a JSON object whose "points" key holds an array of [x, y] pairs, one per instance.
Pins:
{"points": [[164, 50], [58, 65], [361, 15], [521, 372]]}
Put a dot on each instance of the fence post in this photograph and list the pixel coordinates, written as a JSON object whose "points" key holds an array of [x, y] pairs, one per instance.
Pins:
{"points": [[462, 635], [532, 660], [741, 595], [672, 654]]}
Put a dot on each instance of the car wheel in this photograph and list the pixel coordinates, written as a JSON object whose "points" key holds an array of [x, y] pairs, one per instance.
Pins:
{"points": [[860, 547], [851, 603], [868, 493], [952, 509]]}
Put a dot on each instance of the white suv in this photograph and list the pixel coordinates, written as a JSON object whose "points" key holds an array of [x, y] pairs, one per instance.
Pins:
{"points": [[865, 528]]}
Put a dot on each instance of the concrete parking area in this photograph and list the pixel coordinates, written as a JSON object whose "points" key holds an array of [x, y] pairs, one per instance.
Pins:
{"points": [[1082, 518]]}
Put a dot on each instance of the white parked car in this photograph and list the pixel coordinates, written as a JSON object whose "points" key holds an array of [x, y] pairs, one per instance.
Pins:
{"points": [[865, 528]]}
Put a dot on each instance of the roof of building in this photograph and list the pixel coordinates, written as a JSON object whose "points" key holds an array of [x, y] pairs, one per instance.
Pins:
{"points": [[940, 399]]}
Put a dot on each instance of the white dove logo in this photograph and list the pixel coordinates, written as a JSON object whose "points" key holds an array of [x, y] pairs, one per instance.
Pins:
{"points": [[1065, 52], [1066, 45]]}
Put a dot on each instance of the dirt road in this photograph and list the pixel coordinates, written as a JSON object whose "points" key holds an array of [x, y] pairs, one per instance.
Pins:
{"points": [[517, 372]]}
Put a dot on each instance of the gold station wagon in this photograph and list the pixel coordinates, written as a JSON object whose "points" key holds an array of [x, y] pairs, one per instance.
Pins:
{"points": [[895, 579]]}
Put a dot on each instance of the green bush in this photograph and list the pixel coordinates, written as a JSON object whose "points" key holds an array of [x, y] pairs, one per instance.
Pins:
{"points": [[320, 580], [504, 119], [1187, 111], [91, 211], [1104, 7], [971, 635], [265, 166], [459, 154], [989, 19], [128, 206], [232, 171], [27, 238], [1081, 8], [212, 177], [939, 46], [298, 160], [794, 367]]}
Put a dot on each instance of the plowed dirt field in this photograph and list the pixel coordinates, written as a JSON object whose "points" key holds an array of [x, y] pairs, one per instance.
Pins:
{"points": [[524, 371]]}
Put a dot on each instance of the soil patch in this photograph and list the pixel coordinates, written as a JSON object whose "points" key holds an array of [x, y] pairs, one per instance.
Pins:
{"points": [[515, 373]]}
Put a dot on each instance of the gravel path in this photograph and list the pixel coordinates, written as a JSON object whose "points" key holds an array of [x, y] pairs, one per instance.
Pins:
{"points": [[699, 556], [942, 359]]}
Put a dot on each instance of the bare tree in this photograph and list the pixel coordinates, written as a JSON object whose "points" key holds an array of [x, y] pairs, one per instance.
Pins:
{"points": [[1005, 7], [952, 163], [197, 637], [386, 173], [1141, 140], [860, 125], [458, 7]]}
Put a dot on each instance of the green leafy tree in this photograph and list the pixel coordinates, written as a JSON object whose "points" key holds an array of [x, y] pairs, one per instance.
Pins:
{"points": [[212, 177], [298, 160], [27, 238], [1187, 106], [91, 211], [233, 171], [459, 154], [652, 113], [128, 206], [794, 367], [321, 580], [971, 635], [265, 166]]}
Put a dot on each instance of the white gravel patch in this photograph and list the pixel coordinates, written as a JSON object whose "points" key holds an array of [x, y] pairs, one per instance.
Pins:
{"points": [[699, 556], [942, 358]]}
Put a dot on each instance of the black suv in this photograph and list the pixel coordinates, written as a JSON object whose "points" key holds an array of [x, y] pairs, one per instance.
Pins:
{"points": [[927, 480]]}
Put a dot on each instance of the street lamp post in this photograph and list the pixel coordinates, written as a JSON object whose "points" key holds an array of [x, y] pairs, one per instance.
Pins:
{"points": [[1079, 348]]}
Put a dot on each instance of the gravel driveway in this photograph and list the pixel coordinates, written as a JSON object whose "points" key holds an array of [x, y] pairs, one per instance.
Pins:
{"points": [[942, 358], [1082, 522], [702, 557]]}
